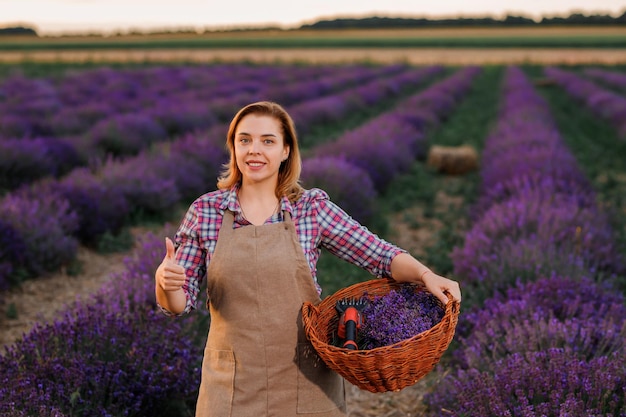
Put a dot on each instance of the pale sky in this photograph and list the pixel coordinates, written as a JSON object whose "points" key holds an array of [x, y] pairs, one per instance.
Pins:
{"points": [[50, 17]]}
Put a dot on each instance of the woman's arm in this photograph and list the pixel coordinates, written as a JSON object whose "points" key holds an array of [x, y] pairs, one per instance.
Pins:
{"points": [[405, 268], [178, 277]]}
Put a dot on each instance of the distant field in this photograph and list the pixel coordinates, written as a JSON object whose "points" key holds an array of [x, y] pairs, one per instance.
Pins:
{"points": [[561, 37], [414, 56], [601, 45]]}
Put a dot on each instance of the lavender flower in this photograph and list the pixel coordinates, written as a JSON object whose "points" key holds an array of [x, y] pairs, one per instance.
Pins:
{"points": [[349, 186], [605, 103], [94, 362], [398, 315], [614, 79], [546, 383], [77, 119], [46, 225], [100, 208], [536, 320], [125, 134], [23, 161], [147, 192]]}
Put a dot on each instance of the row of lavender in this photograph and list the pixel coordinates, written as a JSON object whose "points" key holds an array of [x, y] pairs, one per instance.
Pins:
{"points": [[611, 78], [115, 354], [546, 333], [45, 221], [603, 102], [48, 127], [363, 161]]}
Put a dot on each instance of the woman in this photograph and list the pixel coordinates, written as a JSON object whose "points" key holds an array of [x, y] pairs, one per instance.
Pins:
{"points": [[257, 240]]}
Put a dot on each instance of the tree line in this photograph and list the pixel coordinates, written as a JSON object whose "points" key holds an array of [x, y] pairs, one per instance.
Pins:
{"points": [[377, 22]]}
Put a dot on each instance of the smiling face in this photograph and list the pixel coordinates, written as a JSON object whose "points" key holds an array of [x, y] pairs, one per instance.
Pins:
{"points": [[259, 148]]}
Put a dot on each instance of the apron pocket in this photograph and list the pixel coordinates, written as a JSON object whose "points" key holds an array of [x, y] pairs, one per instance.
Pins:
{"points": [[320, 389], [215, 397]]}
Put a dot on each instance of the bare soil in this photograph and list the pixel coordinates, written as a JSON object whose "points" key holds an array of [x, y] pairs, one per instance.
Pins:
{"points": [[40, 300]]}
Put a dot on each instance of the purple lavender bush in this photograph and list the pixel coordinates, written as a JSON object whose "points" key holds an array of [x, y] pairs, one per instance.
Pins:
{"points": [[531, 233], [181, 115], [334, 107], [111, 353], [609, 78], [382, 147], [507, 157], [31, 102], [575, 315], [94, 362], [23, 161], [348, 186], [64, 155], [202, 151], [146, 192], [79, 118], [554, 382], [46, 225], [398, 315], [100, 208], [125, 134], [604, 103], [576, 185]]}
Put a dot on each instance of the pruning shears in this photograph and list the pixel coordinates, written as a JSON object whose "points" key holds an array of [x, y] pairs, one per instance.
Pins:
{"points": [[350, 320]]}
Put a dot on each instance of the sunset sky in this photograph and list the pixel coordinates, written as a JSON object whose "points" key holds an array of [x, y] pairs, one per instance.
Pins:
{"points": [[107, 16]]}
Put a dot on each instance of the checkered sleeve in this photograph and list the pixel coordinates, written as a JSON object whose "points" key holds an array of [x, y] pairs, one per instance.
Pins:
{"points": [[349, 240]]}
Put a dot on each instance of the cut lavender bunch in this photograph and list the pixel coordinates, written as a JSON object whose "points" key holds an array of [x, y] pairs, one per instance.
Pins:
{"points": [[398, 315]]}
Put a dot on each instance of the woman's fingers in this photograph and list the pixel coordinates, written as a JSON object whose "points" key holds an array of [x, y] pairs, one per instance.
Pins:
{"points": [[438, 286]]}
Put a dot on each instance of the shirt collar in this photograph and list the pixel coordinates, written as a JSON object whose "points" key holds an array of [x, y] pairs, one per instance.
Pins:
{"points": [[231, 202]]}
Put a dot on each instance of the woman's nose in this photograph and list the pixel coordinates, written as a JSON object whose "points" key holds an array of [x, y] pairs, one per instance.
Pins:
{"points": [[255, 147]]}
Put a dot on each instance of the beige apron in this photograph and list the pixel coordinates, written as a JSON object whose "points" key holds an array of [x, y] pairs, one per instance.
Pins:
{"points": [[257, 360]]}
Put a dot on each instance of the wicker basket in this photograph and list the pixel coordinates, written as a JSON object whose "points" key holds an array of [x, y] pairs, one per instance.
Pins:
{"points": [[387, 368]]}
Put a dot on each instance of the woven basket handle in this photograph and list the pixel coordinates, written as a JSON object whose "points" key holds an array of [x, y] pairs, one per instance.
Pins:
{"points": [[309, 313], [452, 305]]}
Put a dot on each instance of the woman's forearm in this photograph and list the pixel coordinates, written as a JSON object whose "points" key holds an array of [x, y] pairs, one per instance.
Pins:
{"points": [[405, 268], [173, 301]]}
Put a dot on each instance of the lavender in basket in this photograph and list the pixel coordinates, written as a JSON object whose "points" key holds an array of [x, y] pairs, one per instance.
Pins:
{"points": [[398, 315]]}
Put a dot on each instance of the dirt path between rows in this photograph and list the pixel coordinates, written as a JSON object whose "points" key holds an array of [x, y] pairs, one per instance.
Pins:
{"points": [[41, 300]]}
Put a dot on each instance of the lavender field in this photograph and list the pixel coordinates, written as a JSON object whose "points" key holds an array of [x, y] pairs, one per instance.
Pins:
{"points": [[537, 237]]}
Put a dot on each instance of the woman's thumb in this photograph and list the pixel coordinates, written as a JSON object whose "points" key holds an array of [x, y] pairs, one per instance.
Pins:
{"points": [[169, 248]]}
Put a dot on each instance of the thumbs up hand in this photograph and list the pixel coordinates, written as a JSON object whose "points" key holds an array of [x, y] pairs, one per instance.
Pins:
{"points": [[169, 275]]}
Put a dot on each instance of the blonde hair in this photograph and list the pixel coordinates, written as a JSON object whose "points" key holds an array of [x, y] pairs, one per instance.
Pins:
{"points": [[289, 171]]}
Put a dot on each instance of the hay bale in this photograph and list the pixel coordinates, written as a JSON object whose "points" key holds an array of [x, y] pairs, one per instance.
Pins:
{"points": [[545, 82], [453, 160]]}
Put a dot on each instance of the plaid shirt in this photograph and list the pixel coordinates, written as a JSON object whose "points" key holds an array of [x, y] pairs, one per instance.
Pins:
{"points": [[318, 222]]}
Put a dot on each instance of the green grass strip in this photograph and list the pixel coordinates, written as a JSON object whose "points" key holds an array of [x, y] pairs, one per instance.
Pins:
{"points": [[286, 41]]}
